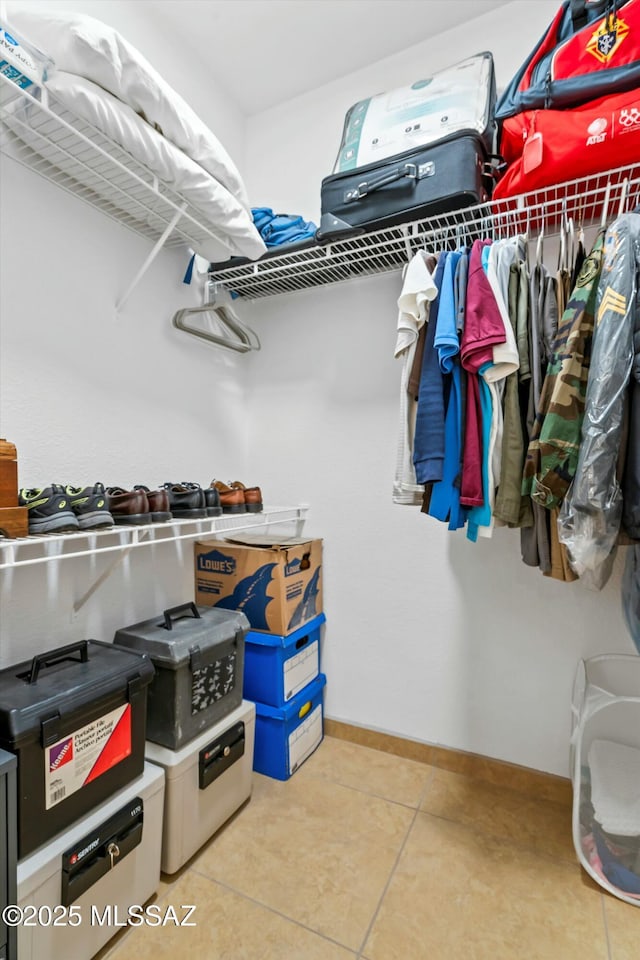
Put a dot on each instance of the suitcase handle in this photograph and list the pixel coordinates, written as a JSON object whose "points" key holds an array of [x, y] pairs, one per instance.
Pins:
{"points": [[411, 170], [56, 656], [175, 612]]}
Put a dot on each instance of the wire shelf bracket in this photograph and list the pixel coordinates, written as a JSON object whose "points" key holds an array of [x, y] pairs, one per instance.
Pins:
{"points": [[41, 134]]}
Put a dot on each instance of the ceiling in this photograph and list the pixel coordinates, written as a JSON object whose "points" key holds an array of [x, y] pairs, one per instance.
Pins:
{"points": [[265, 52]]}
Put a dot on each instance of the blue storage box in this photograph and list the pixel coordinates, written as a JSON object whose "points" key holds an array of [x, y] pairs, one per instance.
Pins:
{"points": [[286, 736], [276, 668]]}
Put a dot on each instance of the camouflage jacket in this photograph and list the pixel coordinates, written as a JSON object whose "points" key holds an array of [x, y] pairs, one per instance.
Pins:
{"points": [[591, 513], [552, 456]]}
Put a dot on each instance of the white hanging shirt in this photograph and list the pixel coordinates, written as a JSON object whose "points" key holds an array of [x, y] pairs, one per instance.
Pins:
{"points": [[418, 289]]}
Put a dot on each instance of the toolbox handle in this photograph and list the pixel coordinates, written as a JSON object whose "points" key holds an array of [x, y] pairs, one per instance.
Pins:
{"points": [[56, 656], [411, 170], [175, 612]]}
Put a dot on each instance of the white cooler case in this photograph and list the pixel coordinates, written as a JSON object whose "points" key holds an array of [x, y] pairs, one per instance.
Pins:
{"points": [[206, 782], [42, 877]]}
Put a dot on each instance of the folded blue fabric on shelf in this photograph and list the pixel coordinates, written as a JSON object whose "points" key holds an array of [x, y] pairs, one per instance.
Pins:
{"points": [[277, 229]]}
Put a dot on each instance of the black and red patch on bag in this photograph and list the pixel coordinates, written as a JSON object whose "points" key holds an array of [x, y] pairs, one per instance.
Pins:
{"points": [[585, 54]]}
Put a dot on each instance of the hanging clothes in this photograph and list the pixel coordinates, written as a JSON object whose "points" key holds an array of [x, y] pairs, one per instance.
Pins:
{"points": [[497, 261], [480, 516], [592, 510], [543, 325], [418, 290], [631, 483], [428, 446], [511, 507], [552, 455], [483, 328], [444, 503]]}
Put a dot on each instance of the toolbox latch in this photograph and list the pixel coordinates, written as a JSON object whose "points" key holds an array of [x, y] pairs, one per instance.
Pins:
{"points": [[50, 729], [135, 687], [195, 658]]}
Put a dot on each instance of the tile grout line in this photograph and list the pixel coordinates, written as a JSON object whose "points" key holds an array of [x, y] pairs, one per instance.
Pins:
{"points": [[423, 794], [367, 793], [278, 913], [607, 939]]}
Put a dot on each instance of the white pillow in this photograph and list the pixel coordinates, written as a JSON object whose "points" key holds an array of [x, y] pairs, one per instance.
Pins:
{"points": [[87, 47], [214, 205]]}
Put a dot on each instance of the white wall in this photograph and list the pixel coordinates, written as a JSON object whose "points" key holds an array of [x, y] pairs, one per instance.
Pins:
{"points": [[428, 636], [87, 395]]}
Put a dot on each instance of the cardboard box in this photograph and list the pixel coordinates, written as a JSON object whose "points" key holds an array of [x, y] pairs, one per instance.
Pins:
{"points": [[276, 583]]}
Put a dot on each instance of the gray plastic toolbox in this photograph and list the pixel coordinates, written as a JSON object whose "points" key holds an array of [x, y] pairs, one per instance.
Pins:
{"points": [[198, 653]]}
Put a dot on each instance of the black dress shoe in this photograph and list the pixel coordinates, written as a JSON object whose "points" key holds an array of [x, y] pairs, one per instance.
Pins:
{"points": [[186, 501], [212, 499]]}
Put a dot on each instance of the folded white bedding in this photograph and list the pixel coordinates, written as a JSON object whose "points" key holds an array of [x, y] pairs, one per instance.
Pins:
{"points": [[214, 205], [84, 46]]}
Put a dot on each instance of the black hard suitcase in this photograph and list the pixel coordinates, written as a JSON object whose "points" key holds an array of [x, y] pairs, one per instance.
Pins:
{"points": [[75, 718], [430, 180]]}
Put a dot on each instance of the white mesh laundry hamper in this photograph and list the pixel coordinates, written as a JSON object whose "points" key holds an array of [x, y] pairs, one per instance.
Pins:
{"points": [[605, 772]]}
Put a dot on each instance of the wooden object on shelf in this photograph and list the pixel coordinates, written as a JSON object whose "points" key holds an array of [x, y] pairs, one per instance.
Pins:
{"points": [[8, 474], [14, 522]]}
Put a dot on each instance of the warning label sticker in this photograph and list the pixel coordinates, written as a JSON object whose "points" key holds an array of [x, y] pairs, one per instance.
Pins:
{"points": [[86, 754]]}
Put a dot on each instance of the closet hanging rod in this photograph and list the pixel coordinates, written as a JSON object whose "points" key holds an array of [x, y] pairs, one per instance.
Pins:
{"points": [[385, 250]]}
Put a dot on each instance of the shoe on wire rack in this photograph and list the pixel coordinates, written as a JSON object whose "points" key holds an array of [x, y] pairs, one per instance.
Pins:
{"points": [[252, 496], [90, 505], [129, 507], [49, 509], [212, 501], [186, 501], [158, 503], [231, 499]]}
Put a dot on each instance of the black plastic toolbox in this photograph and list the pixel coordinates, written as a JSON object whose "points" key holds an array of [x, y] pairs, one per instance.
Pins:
{"points": [[8, 853], [75, 719]]}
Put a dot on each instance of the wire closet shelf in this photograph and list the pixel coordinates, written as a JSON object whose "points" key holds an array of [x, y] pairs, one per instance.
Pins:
{"points": [[55, 143], [366, 254]]}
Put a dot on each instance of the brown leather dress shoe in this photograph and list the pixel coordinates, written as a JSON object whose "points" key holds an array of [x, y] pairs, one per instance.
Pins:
{"points": [[128, 506], [158, 503], [231, 499], [252, 496]]}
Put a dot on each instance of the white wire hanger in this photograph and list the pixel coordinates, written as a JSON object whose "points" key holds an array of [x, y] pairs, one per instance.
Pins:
{"points": [[226, 328]]}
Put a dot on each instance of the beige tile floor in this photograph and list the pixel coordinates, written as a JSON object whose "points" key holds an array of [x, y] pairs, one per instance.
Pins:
{"points": [[367, 855]]}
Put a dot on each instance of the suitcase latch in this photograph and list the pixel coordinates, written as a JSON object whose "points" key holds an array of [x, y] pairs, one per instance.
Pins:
{"points": [[426, 170]]}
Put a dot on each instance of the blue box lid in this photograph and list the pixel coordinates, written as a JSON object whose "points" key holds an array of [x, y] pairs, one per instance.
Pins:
{"points": [[290, 640], [290, 709]]}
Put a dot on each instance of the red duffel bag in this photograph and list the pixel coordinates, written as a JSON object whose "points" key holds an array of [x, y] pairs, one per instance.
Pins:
{"points": [[544, 147]]}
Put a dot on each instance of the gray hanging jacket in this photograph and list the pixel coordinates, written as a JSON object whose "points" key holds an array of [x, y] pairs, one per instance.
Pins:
{"points": [[591, 514], [631, 483]]}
